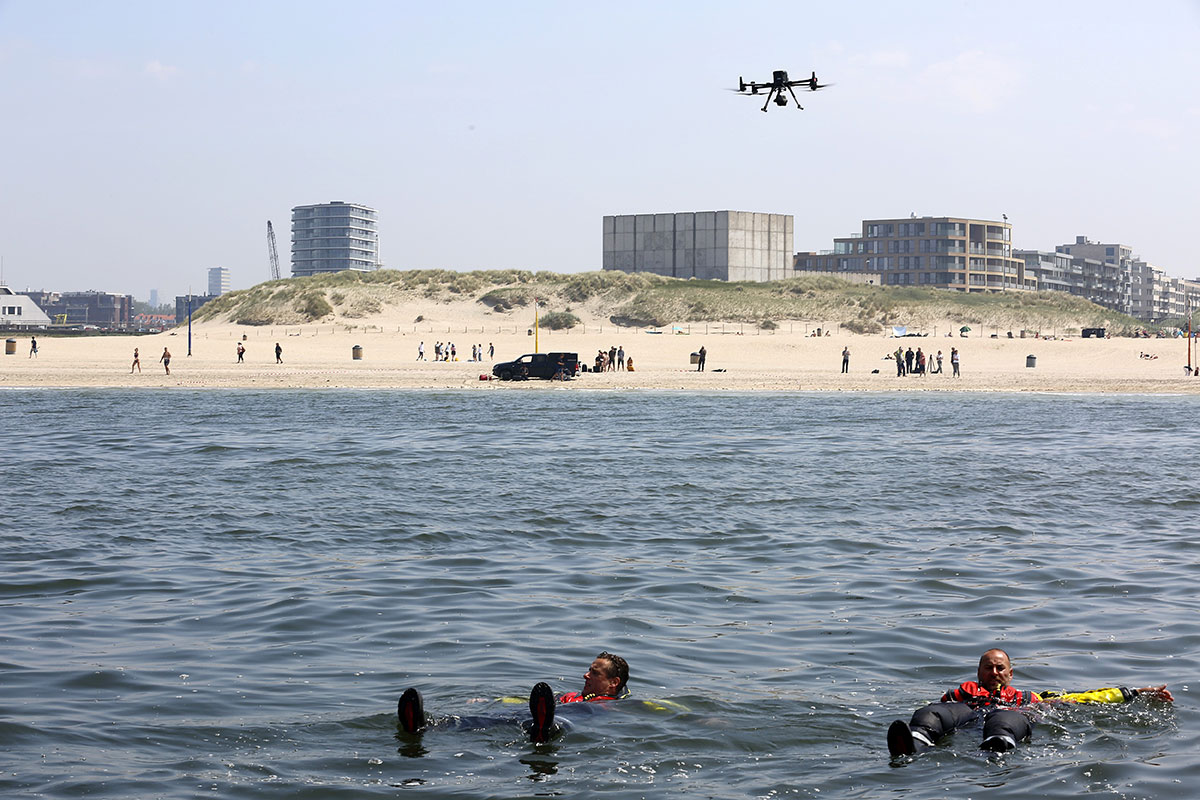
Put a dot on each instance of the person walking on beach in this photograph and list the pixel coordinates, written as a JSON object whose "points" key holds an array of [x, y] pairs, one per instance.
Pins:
{"points": [[278, 354], [33, 347], [845, 359], [137, 362], [491, 351], [165, 358], [939, 363], [700, 364], [954, 361], [241, 351], [421, 351]]}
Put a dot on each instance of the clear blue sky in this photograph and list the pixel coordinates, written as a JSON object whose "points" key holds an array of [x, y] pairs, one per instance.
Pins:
{"points": [[143, 142]]}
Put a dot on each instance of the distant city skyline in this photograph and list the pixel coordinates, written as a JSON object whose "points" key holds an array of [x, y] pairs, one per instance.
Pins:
{"points": [[147, 142]]}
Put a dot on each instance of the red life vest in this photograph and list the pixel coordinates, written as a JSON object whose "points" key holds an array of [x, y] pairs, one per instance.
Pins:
{"points": [[576, 697], [976, 696]]}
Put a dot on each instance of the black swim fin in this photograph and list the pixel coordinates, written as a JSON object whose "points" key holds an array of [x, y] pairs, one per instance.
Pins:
{"points": [[411, 711], [1000, 743], [900, 741], [541, 707]]}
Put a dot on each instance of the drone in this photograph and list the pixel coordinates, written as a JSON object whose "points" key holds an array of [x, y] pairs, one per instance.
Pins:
{"points": [[779, 82]]}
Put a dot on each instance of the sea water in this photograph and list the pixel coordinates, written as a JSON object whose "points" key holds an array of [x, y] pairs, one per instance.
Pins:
{"points": [[222, 593]]}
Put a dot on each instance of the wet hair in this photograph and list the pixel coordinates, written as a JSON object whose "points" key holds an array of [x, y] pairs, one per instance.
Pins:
{"points": [[617, 668]]}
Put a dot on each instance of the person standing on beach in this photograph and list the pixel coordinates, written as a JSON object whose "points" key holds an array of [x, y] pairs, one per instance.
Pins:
{"points": [[845, 359], [954, 361], [700, 364], [908, 362], [165, 358], [241, 351], [899, 354], [137, 362], [939, 363], [491, 351], [612, 359], [278, 354], [33, 347], [621, 358]]}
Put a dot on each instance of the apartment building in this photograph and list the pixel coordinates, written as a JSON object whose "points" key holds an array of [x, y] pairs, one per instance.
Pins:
{"points": [[331, 237], [1113, 276], [218, 281], [970, 255]]}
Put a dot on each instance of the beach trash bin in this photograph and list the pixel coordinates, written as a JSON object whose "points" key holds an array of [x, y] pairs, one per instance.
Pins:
{"points": [[356, 352], [695, 358], [1030, 361], [10, 347]]}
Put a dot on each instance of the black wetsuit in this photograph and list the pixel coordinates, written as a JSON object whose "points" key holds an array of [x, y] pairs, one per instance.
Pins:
{"points": [[968, 702]]}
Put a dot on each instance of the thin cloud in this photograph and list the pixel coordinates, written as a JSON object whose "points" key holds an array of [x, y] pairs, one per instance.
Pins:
{"points": [[91, 70], [160, 72], [982, 82], [889, 59]]}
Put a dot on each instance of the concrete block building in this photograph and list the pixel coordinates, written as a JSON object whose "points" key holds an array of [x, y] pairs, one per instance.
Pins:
{"points": [[711, 245]]}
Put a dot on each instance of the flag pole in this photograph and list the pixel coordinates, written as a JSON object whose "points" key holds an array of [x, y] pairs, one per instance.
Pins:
{"points": [[1189, 334]]}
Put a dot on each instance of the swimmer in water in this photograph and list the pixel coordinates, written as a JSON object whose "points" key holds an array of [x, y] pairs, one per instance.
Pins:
{"points": [[993, 698], [605, 680]]}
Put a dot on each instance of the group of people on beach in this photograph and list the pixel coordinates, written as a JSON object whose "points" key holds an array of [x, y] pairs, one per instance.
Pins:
{"points": [[991, 702], [916, 363], [449, 351], [613, 361]]}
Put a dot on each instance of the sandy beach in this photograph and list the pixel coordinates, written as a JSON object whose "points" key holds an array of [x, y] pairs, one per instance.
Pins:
{"points": [[740, 358]]}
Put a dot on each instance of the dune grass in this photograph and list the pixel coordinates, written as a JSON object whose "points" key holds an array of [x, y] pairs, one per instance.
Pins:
{"points": [[644, 299]]}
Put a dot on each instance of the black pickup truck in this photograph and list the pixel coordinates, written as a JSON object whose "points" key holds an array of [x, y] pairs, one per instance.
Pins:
{"points": [[538, 365]]}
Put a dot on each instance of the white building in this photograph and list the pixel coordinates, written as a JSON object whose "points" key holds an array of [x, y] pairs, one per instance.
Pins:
{"points": [[714, 245], [218, 281], [17, 310]]}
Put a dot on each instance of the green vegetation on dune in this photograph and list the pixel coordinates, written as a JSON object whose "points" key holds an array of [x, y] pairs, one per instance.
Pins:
{"points": [[643, 299]]}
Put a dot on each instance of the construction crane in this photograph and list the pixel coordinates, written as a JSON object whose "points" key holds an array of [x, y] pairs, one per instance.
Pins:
{"points": [[274, 252]]}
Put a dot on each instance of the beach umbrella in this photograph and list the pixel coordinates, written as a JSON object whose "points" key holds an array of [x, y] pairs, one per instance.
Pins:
{"points": [[964, 329]]}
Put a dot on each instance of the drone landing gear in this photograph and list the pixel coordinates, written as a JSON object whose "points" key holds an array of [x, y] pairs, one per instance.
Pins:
{"points": [[793, 94], [780, 100]]}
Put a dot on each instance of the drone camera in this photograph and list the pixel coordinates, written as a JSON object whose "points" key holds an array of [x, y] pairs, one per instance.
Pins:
{"points": [[780, 100]]}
